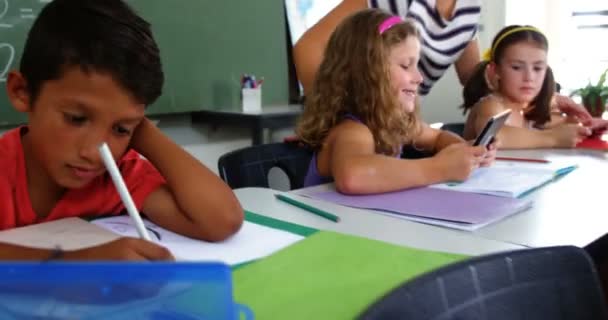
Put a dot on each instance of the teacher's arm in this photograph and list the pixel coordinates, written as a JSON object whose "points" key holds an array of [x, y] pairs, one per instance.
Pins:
{"points": [[308, 51], [468, 60]]}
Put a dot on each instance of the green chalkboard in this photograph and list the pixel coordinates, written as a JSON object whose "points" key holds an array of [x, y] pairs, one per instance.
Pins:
{"points": [[205, 46]]}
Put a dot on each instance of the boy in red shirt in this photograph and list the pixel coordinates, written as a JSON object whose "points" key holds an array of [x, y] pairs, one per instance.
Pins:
{"points": [[88, 71]]}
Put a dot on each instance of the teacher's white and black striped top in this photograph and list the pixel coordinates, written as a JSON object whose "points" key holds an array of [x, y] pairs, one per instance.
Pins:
{"points": [[442, 40]]}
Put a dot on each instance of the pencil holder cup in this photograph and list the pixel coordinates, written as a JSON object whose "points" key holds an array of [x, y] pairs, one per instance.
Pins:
{"points": [[251, 99]]}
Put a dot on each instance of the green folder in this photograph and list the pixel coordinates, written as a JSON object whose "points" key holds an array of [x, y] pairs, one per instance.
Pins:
{"points": [[328, 275]]}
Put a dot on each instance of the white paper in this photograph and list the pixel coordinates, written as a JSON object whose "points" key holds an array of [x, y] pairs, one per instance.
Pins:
{"points": [[69, 234], [503, 180], [252, 242]]}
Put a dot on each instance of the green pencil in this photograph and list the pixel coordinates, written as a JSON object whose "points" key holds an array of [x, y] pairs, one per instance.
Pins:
{"points": [[308, 208]]}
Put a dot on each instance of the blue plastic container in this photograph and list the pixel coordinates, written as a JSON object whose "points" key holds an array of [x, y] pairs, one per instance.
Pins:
{"points": [[118, 290]]}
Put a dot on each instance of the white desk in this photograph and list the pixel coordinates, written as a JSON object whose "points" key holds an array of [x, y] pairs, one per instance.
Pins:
{"points": [[570, 211], [370, 225]]}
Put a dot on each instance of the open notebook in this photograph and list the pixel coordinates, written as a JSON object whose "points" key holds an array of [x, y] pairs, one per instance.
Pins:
{"points": [[459, 210], [251, 242], [508, 179]]}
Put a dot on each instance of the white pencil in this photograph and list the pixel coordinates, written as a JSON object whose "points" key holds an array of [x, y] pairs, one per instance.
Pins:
{"points": [[121, 187]]}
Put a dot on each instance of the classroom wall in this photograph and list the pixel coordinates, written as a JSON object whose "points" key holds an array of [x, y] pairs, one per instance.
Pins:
{"points": [[207, 143], [441, 105], [204, 50]]}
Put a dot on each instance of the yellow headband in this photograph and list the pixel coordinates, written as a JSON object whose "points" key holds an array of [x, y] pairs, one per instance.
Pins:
{"points": [[488, 55]]}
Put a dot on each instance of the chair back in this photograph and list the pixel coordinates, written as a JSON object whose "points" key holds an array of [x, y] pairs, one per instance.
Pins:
{"points": [[542, 283], [454, 127], [280, 166], [410, 152]]}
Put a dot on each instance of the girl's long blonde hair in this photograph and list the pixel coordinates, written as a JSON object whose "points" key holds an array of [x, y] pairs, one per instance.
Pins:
{"points": [[354, 78]]}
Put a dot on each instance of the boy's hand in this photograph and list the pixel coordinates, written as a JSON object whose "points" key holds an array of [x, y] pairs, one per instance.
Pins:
{"points": [[458, 160], [140, 138], [122, 249]]}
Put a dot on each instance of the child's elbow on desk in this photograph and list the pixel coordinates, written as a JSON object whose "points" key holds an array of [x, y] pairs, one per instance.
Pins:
{"points": [[228, 221], [352, 179]]}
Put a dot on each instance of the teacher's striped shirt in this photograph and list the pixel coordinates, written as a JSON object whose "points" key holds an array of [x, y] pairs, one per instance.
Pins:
{"points": [[442, 40]]}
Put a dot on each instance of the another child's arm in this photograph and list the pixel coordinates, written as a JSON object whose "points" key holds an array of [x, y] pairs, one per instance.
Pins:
{"points": [[514, 136], [357, 169], [120, 249], [195, 202]]}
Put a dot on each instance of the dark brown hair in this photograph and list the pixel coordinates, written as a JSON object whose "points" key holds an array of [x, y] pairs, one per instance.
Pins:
{"points": [[96, 36], [477, 86]]}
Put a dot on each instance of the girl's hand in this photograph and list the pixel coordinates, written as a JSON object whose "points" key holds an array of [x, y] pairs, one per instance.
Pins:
{"points": [[458, 160], [569, 135], [490, 155]]}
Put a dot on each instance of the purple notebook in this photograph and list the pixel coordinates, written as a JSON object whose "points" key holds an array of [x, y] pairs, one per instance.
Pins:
{"points": [[461, 210]]}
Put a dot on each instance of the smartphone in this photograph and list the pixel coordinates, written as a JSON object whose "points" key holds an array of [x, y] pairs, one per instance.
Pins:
{"points": [[493, 125]]}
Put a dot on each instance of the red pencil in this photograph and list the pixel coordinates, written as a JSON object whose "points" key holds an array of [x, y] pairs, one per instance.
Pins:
{"points": [[523, 159]]}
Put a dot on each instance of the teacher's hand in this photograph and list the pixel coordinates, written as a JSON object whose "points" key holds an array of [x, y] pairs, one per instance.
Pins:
{"points": [[572, 109]]}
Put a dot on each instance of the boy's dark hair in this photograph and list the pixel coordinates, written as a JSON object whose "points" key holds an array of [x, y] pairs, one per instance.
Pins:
{"points": [[477, 85], [104, 36]]}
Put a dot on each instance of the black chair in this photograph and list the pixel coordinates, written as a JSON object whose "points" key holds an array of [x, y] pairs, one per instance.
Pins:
{"points": [[455, 127], [410, 152], [286, 163], [543, 283]]}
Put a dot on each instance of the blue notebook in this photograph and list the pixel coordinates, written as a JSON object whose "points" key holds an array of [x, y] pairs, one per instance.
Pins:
{"points": [[117, 290]]}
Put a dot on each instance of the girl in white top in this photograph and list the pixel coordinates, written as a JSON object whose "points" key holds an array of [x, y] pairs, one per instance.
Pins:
{"points": [[516, 76]]}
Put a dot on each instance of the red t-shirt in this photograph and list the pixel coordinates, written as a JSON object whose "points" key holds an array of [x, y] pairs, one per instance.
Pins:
{"points": [[97, 198]]}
